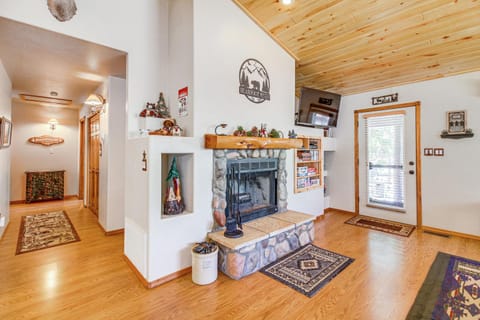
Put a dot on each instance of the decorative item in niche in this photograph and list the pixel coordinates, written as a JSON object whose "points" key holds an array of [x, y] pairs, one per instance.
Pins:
{"points": [[46, 140], [457, 126], [161, 107], [62, 10], [173, 198], [5, 132], [170, 128], [183, 102], [149, 111], [254, 81], [385, 99]]}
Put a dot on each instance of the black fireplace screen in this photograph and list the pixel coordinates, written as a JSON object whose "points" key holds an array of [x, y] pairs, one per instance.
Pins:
{"points": [[251, 188]]}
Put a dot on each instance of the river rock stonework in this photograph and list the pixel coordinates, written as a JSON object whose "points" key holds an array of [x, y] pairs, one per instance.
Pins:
{"points": [[240, 262], [220, 158]]}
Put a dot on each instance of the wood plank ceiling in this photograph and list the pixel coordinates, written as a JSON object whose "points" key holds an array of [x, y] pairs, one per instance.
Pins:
{"points": [[352, 46]]}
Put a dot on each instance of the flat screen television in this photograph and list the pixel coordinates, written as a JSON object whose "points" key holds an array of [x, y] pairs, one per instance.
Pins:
{"points": [[317, 108]]}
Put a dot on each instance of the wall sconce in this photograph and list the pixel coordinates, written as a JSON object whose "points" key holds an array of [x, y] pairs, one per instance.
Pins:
{"points": [[95, 101], [53, 124]]}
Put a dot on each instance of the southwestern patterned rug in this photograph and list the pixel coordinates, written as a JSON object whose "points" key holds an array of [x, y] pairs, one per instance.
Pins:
{"points": [[398, 228], [451, 290], [307, 269], [45, 230]]}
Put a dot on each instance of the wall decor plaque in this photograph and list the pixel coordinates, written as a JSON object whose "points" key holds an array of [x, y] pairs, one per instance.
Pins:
{"points": [[456, 122], [385, 99], [254, 81], [46, 140]]}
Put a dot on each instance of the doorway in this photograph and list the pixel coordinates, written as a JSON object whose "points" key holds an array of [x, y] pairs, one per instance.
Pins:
{"points": [[81, 171], [388, 163], [94, 153]]}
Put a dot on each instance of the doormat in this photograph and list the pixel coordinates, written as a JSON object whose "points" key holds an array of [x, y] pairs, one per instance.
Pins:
{"points": [[45, 230], [450, 290], [398, 228], [307, 269]]}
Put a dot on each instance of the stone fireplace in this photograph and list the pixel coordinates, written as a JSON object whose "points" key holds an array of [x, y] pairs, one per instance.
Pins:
{"points": [[253, 182], [250, 178]]}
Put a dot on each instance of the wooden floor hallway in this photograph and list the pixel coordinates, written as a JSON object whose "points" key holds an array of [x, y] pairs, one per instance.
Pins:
{"points": [[90, 279]]}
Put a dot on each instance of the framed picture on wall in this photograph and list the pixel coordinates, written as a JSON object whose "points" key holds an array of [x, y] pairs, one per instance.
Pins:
{"points": [[456, 122], [5, 132]]}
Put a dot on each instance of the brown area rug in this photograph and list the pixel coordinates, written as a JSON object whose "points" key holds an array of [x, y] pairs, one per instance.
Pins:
{"points": [[45, 230], [307, 269], [398, 228]]}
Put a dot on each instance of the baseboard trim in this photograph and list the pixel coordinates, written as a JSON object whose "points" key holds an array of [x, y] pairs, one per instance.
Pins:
{"points": [[158, 282], [67, 197], [450, 233], [328, 210], [109, 233], [114, 232]]}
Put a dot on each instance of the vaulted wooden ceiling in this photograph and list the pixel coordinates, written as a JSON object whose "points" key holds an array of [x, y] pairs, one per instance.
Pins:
{"points": [[352, 46]]}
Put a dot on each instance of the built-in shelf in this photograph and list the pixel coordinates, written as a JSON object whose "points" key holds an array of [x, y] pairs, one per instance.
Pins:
{"points": [[445, 135], [213, 141], [185, 169], [308, 165]]}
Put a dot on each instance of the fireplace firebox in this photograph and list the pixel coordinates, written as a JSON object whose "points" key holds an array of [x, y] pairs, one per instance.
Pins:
{"points": [[251, 189]]}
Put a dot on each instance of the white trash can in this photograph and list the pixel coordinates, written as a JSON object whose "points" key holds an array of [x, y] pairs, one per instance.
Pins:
{"points": [[204, 267]]}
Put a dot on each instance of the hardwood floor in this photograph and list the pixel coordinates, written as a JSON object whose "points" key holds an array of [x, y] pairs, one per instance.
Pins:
{"points": [[90, 279]]}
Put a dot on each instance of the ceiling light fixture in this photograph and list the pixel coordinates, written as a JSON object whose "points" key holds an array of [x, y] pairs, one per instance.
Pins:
{"points": [[53, 124], [286, 2], [94, 100]]}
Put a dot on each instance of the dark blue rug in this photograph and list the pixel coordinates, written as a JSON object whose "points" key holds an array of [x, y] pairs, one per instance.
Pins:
{"points": [[450, 291], [307, 269]]}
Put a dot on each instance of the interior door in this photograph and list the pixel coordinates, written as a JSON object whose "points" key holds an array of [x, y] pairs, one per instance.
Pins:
{"points": [[93, 162], [387, 164]]}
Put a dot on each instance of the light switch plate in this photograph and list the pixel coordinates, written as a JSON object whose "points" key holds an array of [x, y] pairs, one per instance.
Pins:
{"points": [[428, 152]]}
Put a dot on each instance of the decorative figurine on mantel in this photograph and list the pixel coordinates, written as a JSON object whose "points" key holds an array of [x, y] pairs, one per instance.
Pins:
{"points": [[161, 107], [173, 198]]}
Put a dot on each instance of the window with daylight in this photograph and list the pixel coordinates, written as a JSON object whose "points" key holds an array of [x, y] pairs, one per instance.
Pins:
{"points": [[385, 159]]}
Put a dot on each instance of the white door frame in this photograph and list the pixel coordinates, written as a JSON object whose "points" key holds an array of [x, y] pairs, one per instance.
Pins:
{"points": [[418, 159]]}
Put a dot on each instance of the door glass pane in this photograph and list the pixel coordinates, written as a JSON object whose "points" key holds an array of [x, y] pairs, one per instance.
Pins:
{"points": [[385, 159]]}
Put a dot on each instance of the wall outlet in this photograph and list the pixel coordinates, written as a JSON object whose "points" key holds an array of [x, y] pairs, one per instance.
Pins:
{"points": [[2, 220], [438, 152]]}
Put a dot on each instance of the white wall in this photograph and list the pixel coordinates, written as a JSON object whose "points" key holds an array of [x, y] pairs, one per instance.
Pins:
{"points": [[223, 38], [5, 111], [180, 59], [450, 184], [113, 158], [32, 121]]}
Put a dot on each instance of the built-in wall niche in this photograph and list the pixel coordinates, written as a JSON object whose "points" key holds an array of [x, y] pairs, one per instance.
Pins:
{"points": [[185, 170]]}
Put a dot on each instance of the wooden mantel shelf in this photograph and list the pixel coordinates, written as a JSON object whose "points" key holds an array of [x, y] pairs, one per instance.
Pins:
{"points": [[213, 141]]}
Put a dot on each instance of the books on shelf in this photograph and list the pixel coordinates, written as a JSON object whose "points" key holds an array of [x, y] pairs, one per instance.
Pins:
{"points": [[307, 182], [309, 155]]}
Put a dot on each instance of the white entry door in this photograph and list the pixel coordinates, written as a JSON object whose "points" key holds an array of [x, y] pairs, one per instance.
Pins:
{"points": [[387, 168]]}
